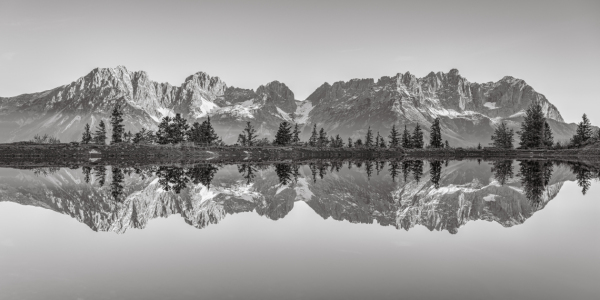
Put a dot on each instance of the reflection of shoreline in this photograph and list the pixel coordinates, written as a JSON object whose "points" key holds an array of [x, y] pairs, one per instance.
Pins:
{"points": [[435, 194]]}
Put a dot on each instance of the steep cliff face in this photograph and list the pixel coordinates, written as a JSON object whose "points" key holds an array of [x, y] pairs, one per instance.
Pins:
{"points": [[467, 191], [469, 111]]}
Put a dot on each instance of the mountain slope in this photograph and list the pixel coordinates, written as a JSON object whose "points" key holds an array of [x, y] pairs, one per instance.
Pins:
{"points": [[469, 111]]}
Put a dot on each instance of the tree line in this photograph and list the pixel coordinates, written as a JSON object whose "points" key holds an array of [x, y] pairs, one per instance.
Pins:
{"points": [[535, 132]]}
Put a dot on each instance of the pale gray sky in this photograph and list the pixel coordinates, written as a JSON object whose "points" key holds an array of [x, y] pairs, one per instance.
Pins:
{"points": [[553, 45]]}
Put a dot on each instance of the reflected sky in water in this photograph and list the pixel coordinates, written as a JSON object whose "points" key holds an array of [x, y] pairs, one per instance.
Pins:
{"points": [[452, 230]]}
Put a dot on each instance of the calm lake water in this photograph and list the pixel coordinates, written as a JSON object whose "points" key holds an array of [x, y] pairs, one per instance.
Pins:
{"points": [[329, 230]]}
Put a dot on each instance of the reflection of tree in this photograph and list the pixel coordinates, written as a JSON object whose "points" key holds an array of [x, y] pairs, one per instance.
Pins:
{"points": [[394, 170], [349, 165], [248, 172], [584, 176], [203, 174], [406, 169], [322, 170], [172, 178], [86, 174], [369, 168], [535, 176], [313, 171], [100, 173], [436, 172], [417, 169], [284, 173], [116, 186], [502, 170]]}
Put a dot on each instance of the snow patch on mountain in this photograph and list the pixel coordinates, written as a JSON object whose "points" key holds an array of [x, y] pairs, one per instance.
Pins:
{"points": [[302, 112], [284, 115], [490, 105]]}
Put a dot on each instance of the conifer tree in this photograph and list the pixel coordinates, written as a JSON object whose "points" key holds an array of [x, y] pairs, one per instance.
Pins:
{"points": [[369, 138], [283, 137], [332, 143], [435, 139], [86, 138], [532, 128], [163, 135], [314, 138], [548, 136], [241, 139], [178, 129], [296, 135], [100, 134], [127, 137], [207, 132], [350, 145], [382, 143], [394, 137], [339, 143], [323, 141], [583, 133], [358, 144], [417, 138], [250, 133], [503, 137], [479, 146], [116, 122], [406, 139], [377, 139], [447, 145]]}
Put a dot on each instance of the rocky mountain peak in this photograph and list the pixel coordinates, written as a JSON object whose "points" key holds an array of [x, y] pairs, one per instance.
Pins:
{"points": [[277, 94]]}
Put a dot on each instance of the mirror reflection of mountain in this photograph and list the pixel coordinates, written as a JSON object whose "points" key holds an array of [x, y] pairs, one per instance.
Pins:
{"points": [[440, 195]]}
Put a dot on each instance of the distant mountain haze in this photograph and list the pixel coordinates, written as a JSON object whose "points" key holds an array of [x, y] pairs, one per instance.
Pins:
{"points": [[468, 111]]}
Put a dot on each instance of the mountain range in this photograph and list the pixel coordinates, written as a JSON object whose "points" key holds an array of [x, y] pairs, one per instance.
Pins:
{"points": [[468, 111], [467, 191]]}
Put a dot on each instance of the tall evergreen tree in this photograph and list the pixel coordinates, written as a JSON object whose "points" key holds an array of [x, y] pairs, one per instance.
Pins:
{"points": [[583, 133], [417, 138], [314, 137], [394, 137], [350, 145], [447, 145], [548, 136], [435, 139], [178, 129], [296, 135], [250, 133], [163, 135], [406, 139], [323, 140], [116, 122], [127, 136], [86, 137], [369, 138], [382, 143], [532, 128], [100, 134], [358, 143], [503, 137], [283, 137]]}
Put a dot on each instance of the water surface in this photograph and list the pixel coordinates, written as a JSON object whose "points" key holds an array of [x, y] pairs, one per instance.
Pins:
{"points": [[325, 230]]}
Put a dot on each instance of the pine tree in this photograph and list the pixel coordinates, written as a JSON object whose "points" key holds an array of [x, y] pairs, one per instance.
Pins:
{"points": [[417, 138], [116, 122], [314, 138], [406, 139], [358, 143], [127, 137], [479, 146], [296, 135], [339, 143], [548, 136], [532, 128], [250, 133], [382, 143], [377, 139], [435, 139], [350, 145], [394, 137], [369, 138], [283, 137], [86, 138], [323, 141], [583, 133], [241, 139], [503, 137], [178, 129], [447, 145], [100, 134], [163, 135], [332, 142]]}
